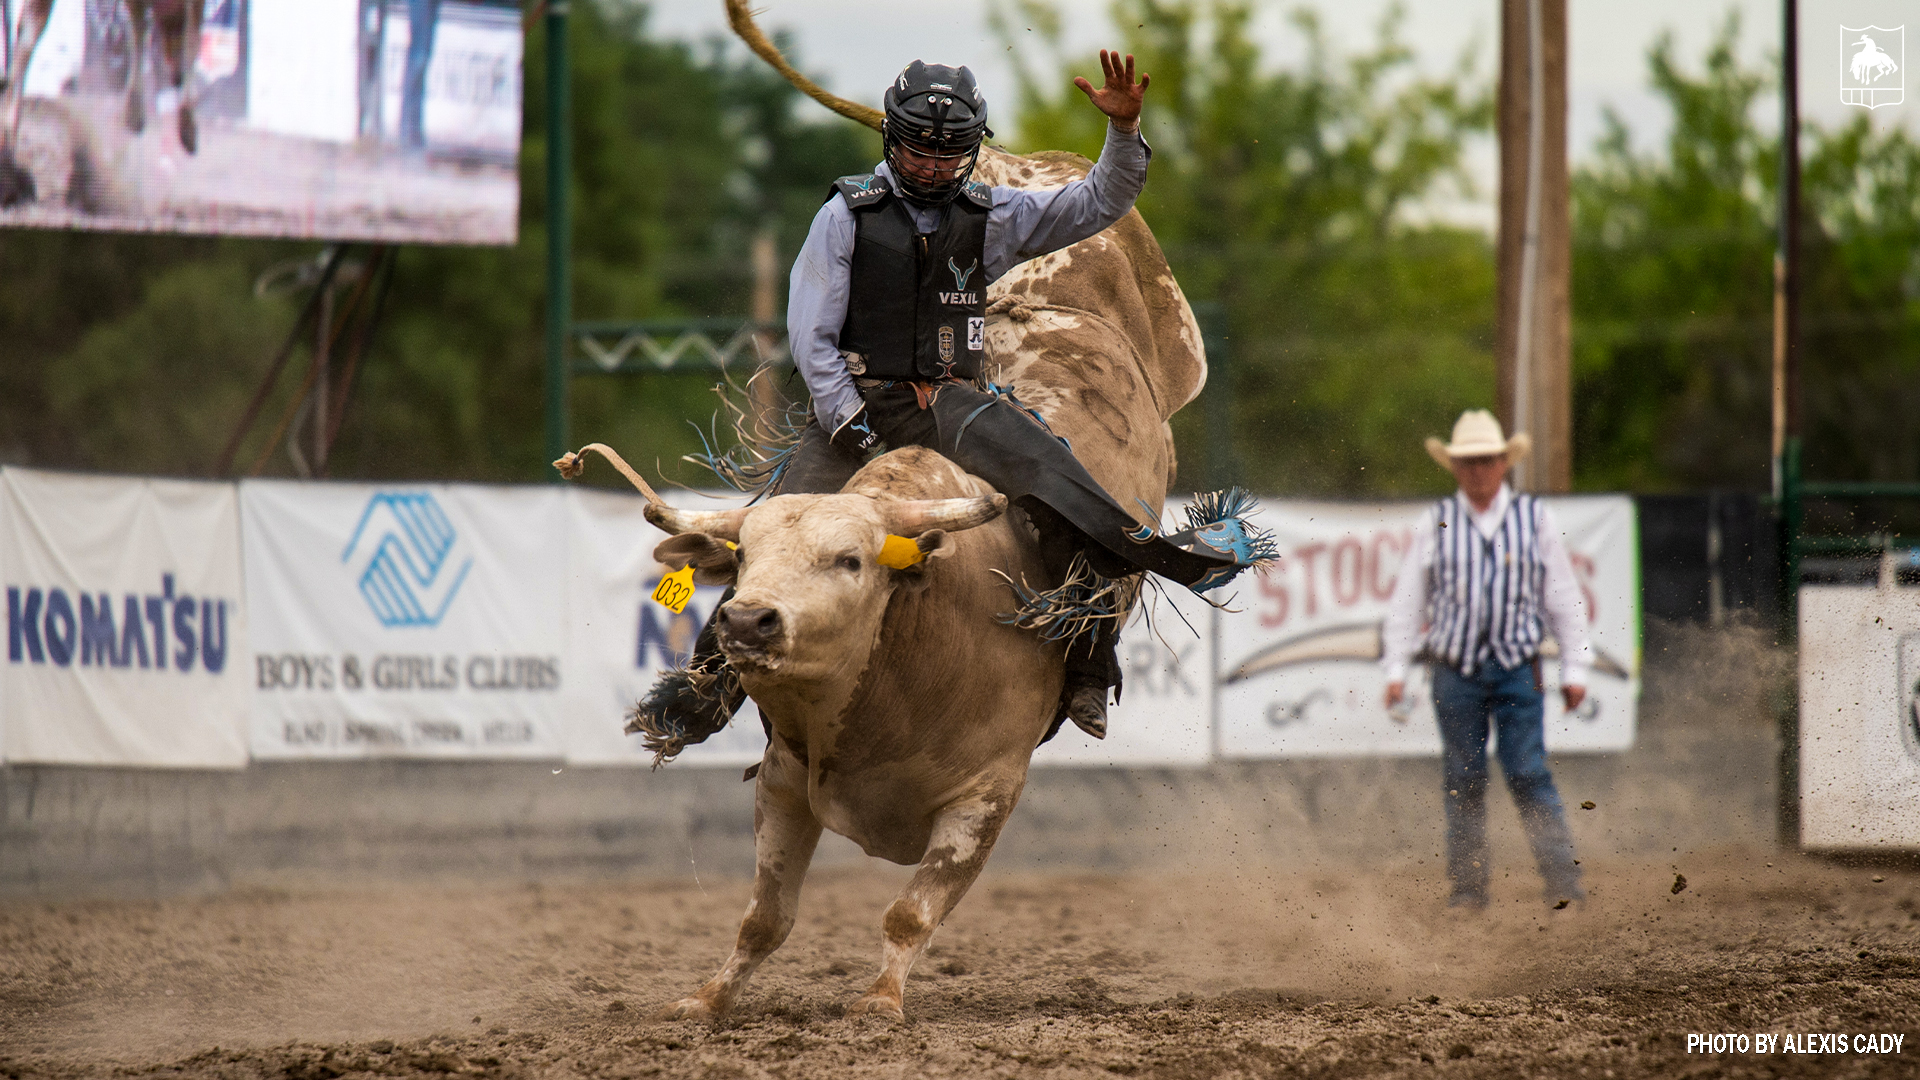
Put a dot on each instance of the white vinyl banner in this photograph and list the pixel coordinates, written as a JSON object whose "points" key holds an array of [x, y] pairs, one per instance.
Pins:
{"points": [[622, 640], [1860, 716], [126, 634], [1164, 716], [1298, 664], [406, 620]]}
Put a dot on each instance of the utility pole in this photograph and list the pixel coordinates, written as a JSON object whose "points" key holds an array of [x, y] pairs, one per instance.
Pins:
{"points": [[1786, 257], [1533, 344], [762, 396], [559, 228], [1786, 410]]}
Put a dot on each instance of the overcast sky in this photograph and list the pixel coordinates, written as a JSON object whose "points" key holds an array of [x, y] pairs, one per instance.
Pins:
{"points": [[859, 45]]}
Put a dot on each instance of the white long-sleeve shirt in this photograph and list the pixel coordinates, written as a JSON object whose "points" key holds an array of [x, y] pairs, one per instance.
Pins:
{"points": [[1022, 225], [1566, 609]]}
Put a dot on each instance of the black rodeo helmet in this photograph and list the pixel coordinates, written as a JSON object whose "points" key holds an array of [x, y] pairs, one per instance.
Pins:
{"points": [[937, 112]]}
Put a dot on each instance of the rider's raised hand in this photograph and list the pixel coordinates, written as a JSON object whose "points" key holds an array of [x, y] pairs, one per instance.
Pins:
{"points": [[1120, 98]]}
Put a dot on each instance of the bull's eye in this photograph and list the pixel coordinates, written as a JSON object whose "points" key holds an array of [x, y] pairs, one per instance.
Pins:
{"points": [[849, 563]]}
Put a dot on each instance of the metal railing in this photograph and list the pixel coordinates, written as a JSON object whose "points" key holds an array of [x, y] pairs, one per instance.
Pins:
{"points": [[721, 344], [1796, 545]]}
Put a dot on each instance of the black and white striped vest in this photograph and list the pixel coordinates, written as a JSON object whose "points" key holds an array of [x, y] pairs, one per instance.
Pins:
{"points": [[1485, 596]]}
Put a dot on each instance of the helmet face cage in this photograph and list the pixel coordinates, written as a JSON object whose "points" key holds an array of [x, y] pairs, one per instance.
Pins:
{"points": [[951, 160], [934, 114]]}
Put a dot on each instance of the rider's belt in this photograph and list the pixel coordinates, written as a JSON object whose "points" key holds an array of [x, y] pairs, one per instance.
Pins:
{"points": [[924, 393]]}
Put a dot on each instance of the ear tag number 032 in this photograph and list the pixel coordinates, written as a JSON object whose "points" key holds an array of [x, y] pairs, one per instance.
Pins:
{"points": [[676, 588]]}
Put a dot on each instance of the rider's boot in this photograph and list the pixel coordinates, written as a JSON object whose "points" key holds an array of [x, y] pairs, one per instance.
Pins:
{"points": [[690, 703]]}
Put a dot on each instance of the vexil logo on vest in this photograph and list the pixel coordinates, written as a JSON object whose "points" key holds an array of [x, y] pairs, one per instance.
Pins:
{"points": [[962, 297]]}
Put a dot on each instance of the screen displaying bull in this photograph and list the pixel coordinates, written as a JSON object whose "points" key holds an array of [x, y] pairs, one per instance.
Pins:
{"points": [[377, 120]]}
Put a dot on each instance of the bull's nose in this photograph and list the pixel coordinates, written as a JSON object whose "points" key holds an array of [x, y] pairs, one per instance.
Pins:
{"points": [[749, 627]]}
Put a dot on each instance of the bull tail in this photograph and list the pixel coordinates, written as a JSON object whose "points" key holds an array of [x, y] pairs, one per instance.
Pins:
{"points": [[741, 18], [574, 462]]}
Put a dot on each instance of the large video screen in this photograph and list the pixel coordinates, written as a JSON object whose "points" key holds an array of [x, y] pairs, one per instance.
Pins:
{"points": [[389, 120]]}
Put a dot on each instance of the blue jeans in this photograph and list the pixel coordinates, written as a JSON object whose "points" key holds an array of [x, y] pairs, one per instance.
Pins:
{"points": [[1511, 698], [423, 17]]}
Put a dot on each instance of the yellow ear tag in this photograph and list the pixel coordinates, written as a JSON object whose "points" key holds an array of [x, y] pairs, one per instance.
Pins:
{"points": [[675, 590], [900, 552]]}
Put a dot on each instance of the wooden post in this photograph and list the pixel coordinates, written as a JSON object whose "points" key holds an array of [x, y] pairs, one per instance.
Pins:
{"points": [[1786, 258], [1533, 344], [762, 395]]}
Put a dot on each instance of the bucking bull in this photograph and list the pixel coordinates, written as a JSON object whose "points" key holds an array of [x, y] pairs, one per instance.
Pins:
{"points": [[178, 24], [869, 625]]}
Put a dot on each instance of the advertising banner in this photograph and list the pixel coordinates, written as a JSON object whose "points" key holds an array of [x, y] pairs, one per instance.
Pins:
{"points": [[406, 620], [621, 640], [1860, 716], [1165, 712], [379, 120], [1298, 665], [126, 632]]}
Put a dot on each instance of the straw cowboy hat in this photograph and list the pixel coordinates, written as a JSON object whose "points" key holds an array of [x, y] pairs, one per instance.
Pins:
{"points": [[1477, 434]]}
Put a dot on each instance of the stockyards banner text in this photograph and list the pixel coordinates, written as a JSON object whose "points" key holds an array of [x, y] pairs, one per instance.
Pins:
{"points": [[463, 621]]}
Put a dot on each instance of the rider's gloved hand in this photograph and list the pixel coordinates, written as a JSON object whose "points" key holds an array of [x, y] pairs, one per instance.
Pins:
{"points": [[857, 434]]}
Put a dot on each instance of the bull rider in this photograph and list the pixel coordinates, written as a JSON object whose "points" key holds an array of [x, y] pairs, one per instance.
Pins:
{"points": [[886, 319]]}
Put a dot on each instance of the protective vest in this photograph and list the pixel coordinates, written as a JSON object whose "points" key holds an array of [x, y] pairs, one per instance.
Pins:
{"points": [[918, 303], [1486, 594]]}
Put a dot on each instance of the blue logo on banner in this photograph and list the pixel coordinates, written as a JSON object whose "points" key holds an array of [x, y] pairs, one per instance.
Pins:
{"points": [[404, 567]]}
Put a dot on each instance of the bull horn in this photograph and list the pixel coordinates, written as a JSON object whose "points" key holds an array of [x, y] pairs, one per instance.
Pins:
{"points": [[719, 524], [741, 18], [911, 517]]}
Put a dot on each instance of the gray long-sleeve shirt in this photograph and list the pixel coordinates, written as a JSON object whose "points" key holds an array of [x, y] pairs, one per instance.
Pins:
{"points": [[1022, 225]]}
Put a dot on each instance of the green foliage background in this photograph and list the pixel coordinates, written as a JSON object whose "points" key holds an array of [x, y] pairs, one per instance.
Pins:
{"points": [[1291, 201]]}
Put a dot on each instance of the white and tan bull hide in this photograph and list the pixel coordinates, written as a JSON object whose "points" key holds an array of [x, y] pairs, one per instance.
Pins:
{"points": [[903, 711]]}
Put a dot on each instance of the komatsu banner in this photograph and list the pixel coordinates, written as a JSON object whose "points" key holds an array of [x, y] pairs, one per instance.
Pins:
{"points": [[1298, 670], [126, 635], [406, 620]]}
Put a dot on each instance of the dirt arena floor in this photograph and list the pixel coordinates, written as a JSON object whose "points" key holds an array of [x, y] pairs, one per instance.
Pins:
{"points": [[1250, 974]]}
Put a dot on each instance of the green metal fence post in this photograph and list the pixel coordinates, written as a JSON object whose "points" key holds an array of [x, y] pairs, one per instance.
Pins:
{"points": [[559, 228], [1793, 514], [1787, 713]]}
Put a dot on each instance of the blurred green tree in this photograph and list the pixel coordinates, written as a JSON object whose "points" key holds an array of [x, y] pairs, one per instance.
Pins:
{"points": [[1292, 198], [1298, 199], [1673, 290], [137, 353]]}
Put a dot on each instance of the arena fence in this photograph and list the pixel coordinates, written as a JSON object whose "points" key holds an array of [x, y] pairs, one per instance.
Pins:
{"points": [[167, 623]]}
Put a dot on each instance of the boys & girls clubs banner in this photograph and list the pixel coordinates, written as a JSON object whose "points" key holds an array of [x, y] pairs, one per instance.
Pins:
{"points": [[203, 624]]}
